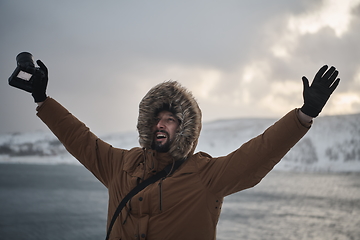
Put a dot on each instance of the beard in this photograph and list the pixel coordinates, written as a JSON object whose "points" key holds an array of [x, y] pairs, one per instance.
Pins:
{"points": [[161, 147]]}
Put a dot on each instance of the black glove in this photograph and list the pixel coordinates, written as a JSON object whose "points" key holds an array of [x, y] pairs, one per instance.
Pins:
{"points": [[40, 82], [316, 96]]}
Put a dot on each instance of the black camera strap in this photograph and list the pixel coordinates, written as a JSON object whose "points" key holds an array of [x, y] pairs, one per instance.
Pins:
{"points": [[162, 174]]}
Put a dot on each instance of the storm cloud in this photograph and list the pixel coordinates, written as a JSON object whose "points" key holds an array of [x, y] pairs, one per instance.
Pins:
{"points": [[239, 58]]}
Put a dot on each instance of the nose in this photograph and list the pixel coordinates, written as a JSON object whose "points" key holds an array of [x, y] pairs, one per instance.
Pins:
{"points": [[160, 124]]}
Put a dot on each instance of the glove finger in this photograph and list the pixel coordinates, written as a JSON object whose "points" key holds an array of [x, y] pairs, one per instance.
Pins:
{"points": [[42, 66], [334, 86], [320, 73], [305, 83], [329, 73], [329, 82], [334, 76]]}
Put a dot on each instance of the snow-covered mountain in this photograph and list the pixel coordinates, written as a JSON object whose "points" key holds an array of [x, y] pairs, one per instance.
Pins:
{"points": [[331, 145]]}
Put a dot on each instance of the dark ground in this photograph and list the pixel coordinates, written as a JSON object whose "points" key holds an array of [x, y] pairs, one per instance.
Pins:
{"points": [[67, 202]]}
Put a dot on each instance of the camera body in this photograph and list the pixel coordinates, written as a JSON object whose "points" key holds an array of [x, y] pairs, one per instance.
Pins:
{"points": [[24, 73]]}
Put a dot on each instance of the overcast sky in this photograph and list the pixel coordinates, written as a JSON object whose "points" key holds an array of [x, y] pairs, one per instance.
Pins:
{"points": [[239, 58]]}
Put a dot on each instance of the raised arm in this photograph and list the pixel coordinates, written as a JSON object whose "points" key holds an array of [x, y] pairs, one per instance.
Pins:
{"points": [[93, 153], [246, 166]]}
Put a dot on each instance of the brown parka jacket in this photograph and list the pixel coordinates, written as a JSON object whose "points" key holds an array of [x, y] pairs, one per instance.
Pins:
{"points": [[185, 205]]}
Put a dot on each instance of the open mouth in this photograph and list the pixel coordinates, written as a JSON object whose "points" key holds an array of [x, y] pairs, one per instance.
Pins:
{"points": [[160, 135]]}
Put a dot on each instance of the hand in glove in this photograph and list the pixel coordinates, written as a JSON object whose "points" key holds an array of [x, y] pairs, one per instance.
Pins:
{"points": [[40, 82], [316, 95]]}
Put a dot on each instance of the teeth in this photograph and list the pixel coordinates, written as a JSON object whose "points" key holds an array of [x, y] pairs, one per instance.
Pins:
{"points": [[161, 136]]}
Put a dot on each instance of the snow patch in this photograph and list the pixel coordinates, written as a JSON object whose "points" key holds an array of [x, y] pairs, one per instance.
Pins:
{"points": [[331, 145]]}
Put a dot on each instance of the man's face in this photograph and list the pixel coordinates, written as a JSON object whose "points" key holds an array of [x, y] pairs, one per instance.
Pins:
{"points": [[164, 131]]}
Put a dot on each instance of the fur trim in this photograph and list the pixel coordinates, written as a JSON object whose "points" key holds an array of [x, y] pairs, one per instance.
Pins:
{"points": [[183, 105]]}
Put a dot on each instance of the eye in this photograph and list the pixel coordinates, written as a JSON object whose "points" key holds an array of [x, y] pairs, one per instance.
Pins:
{"points": [[156, 120]]}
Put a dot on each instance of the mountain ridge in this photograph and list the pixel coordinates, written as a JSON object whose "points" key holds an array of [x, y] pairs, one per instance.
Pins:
{"points": [[331, 145]]}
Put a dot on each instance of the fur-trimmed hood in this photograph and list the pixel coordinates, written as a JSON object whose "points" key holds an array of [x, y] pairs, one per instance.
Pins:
{"points": [[183, 105]]}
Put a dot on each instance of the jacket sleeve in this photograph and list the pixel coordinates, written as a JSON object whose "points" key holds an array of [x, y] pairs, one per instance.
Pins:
{"points": [[246, 166], [96, 155]]}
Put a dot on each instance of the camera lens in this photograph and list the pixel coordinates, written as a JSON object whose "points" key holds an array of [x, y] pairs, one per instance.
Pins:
{"points": [[25, 59]]}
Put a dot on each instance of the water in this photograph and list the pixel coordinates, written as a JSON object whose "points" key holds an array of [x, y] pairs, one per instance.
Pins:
{"points": [[67, 202], [294, 206], [60, 202]]}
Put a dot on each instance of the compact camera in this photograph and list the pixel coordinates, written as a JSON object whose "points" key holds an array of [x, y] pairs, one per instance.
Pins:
{"points": [[24, 74]]}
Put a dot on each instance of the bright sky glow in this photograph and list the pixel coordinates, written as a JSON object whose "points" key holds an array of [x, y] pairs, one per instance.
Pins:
{"points": [[334, 14], [255, 71], [279, 94], [207, 81], [345, 102]]}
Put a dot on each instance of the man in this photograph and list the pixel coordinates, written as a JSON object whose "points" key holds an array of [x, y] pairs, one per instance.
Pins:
{"points": [[186, 204]]}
